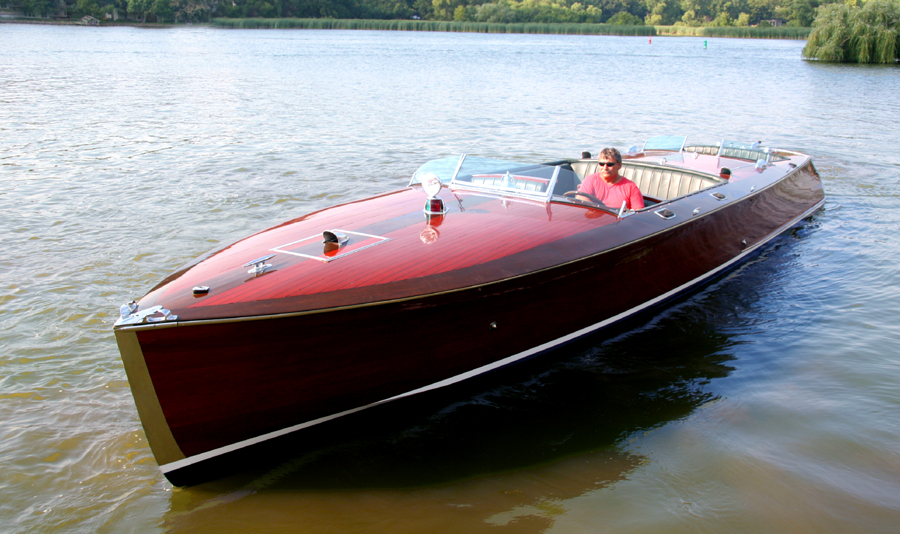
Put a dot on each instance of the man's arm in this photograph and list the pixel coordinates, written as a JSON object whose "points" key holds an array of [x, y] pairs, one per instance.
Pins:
{"points": [[637, 199]]}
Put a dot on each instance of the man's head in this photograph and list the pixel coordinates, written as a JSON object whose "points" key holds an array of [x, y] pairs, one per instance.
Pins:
{"points": [[608, 164], [610, 154], [725, 172]]}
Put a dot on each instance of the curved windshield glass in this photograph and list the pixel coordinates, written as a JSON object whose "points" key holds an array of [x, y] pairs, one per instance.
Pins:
{"points": [[443, 168], [499, 177], [752, 151], [673, 143]]}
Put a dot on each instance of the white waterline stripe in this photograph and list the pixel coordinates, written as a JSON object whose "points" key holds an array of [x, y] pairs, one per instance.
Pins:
{"points": [[167, 468]]}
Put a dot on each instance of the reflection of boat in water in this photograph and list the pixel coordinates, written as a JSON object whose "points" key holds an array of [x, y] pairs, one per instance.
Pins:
{"points": [[362, 303]]}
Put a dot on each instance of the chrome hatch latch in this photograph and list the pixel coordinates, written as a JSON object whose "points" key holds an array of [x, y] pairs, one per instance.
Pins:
{"points": [[129, 314], [259, 265]]}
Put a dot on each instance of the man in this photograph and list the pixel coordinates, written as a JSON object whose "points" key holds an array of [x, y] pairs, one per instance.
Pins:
{"points": [[608, 186]]}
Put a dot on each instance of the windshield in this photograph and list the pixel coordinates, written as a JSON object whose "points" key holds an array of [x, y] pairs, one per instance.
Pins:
{"points": [[740, 145], [499, 177], [752, 151], [673, 143]]}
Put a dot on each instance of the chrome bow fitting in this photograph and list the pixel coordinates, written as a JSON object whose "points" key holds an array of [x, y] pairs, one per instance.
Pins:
{"points": [[129, 315]]}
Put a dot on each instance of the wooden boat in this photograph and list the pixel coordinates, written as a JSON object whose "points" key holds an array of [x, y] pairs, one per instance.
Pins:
{"points": [[374, 300]]}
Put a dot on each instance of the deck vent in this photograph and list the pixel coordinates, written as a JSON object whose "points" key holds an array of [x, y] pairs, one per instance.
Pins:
{"points": [[333, 236], [334, 240], [717, 196]]}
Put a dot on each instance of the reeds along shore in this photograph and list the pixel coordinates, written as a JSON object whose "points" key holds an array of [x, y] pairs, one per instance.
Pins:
{"points": [[486, 27], [746, 32], [432, 26], [470, 27]]}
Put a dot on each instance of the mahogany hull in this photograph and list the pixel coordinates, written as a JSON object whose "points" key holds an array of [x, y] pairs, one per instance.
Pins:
{"points": [[209, 387]]}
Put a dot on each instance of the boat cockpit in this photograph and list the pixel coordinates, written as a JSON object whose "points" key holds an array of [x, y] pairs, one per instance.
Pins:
{"points": [[661, 169]]}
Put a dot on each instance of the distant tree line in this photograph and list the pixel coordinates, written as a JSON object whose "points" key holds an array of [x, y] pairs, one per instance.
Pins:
{"points": [[796, 13]]}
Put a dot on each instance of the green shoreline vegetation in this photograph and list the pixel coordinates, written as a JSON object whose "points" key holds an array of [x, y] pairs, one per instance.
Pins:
{"points": [[744, 32], [435, 26], [528, 27], [657, 13], [868, 33], [857, 31]]}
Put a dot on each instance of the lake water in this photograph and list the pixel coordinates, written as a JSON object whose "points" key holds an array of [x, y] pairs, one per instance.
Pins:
{"points": [[768, 402]]}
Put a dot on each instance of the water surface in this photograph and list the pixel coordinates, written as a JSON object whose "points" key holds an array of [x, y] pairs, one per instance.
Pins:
{"points": [[765, 403]]}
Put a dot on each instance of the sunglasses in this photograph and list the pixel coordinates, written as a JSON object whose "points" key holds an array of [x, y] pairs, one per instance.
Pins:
{"points": [[607, 164]]}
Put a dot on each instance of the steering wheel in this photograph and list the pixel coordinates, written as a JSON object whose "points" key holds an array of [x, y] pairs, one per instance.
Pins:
{"points": [[573, 194]]}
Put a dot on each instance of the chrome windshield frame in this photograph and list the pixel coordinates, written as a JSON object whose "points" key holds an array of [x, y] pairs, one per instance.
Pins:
{"points": [[501, 178], [510, 183]]}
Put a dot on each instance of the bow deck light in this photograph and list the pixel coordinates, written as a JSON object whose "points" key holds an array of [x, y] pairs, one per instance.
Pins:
{"points": [[432, 186]]}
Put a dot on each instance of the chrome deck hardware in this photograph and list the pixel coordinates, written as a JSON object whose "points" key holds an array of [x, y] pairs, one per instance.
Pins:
{"points": [[128, 315], [259, 265], [335, 236], [665, 213], [127, 309], [623, 210]]}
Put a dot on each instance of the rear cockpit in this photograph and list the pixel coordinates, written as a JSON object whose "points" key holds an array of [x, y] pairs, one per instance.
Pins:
{"points": [[664, 169]]}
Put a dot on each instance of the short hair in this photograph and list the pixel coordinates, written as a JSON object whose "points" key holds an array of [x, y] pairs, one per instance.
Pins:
{"points": [[585, 155], [611, 153], [725, 170]]}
